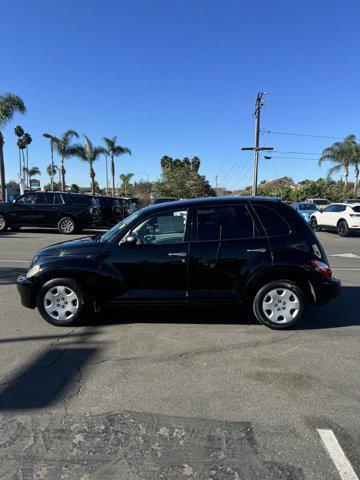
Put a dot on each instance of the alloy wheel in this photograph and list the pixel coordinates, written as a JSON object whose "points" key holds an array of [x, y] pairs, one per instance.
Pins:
{"points": [[61, 303], [281, 305], [67, 225]]}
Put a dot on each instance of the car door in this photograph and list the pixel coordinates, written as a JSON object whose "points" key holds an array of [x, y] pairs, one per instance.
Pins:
{"points": [[21, 210], [156, 267], [44, 211], [228, 242], [324, 217]]}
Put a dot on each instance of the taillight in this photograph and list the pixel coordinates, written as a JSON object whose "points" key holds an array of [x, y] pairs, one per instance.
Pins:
{"points": [[322, 268]]}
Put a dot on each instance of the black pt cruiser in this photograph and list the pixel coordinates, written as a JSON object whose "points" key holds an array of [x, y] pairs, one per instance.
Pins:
{"points": [[253, 252]]}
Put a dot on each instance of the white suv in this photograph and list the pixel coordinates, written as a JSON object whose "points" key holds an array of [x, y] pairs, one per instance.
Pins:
{"points": [[342, 217]]}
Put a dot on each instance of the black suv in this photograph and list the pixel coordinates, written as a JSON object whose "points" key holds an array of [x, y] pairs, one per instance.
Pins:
{"points": [[112, 210], [257, 253], [68, 212]]}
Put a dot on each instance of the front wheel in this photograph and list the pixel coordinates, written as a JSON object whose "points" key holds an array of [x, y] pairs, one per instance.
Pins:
{"points": [[343, 228], [62, 302], [314, 224], [279, 304], [3, 223], [66, 226]]}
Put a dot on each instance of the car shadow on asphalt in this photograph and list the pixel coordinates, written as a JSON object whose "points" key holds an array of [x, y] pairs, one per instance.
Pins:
{"points": [[8, 275], [53, 376], [342, 312]]}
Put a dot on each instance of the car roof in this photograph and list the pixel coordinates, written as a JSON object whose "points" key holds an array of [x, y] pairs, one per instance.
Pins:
{"points": [[228, 200]]}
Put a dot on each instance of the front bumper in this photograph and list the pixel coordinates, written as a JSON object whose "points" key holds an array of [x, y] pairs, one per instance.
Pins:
{"points": [[326, 290], [26, 291]]}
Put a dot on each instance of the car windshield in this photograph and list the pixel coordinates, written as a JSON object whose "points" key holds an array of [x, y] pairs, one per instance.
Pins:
{"points": [[114, 231], [322, 202], [307, 206]]}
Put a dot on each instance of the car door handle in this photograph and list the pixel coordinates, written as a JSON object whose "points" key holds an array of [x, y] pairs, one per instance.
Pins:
{"points": [[177, 254], [259, 250]]}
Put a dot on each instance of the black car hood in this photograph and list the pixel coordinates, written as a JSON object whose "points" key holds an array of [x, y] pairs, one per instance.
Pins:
{"points": [[81, 246]]}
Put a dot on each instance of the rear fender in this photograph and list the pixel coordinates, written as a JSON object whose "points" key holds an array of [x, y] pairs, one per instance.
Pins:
{"points": [[297, 275]]}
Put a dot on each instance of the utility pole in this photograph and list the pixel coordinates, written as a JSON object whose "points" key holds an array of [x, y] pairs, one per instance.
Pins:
{"points": [[52, 141], [257, 112]]}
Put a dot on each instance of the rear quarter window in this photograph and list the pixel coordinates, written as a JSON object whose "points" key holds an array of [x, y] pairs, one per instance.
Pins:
{"points": [[273, 222]]}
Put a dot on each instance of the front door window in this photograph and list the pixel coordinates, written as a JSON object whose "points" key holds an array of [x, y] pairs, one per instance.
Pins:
{"points": [[165, 228]]}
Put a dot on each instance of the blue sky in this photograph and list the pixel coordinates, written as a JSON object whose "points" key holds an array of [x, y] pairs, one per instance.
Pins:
{"points": [[181, 77]]}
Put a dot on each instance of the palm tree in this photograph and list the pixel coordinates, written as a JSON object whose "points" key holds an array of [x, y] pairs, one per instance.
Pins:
{"points": [[88, 153], [64, 149], [9, 105], [342, 154], [125, 180], [355, 162], [52, 171], [32, 172], [113, 151]]}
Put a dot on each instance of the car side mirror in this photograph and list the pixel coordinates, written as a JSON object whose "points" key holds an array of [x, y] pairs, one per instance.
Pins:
{"points": [[130, 241]]}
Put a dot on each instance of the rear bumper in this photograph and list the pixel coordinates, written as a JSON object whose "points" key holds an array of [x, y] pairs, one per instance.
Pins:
{"points": [[26, 291], [326, 290]]}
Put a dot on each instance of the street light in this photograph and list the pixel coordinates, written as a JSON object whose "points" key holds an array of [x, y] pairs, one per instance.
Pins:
{"points": [[52, 140]]}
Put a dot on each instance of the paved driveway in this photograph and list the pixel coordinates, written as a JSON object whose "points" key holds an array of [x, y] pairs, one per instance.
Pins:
{"points": [[178, 393]]}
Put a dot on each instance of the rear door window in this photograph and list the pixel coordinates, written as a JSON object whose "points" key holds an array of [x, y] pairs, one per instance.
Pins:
{"points": [[44, 199], [273, 222], [225, 223], [236, 222]]}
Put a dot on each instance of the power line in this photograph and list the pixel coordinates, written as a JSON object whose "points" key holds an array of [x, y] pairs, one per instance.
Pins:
{"points": [[301, 134], [298, 153], [297, 158], [229, 153]]}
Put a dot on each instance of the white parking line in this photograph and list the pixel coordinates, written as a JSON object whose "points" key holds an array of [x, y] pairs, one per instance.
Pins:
{"points": [[347, 269], [11, 260], [338, 457], [345, 255]]}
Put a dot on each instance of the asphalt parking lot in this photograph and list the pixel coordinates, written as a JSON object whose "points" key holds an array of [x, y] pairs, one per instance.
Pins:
{"points": [[178, 394]]}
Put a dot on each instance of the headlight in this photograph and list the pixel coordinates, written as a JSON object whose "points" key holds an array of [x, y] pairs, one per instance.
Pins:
{"points": [[33, 271]]}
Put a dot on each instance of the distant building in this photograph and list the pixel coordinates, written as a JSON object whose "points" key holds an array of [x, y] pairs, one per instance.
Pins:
{"points": [[268, 184]]}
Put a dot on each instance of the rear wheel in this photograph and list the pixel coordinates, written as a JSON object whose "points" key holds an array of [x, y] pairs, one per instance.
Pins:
{"points": [[3, 223], [62, 302], [66, 226], [343, 228], [279, 304]]}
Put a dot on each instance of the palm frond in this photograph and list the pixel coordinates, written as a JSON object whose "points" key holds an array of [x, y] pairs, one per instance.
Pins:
{"points": [[9, 105]]}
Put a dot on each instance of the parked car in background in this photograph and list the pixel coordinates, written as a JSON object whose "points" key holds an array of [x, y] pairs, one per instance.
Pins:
{"points": [[111, 211], [305, 209], [251, 252], [68, 212], [158, 200], [340, 217], [352, 200], [321, 203]]}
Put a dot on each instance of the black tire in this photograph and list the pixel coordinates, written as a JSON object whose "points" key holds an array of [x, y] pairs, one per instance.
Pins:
{"points": [[66, 225], [83, 303], [3, 224], [343, 228], [293, 293], [314, 224], [14, 229]]}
